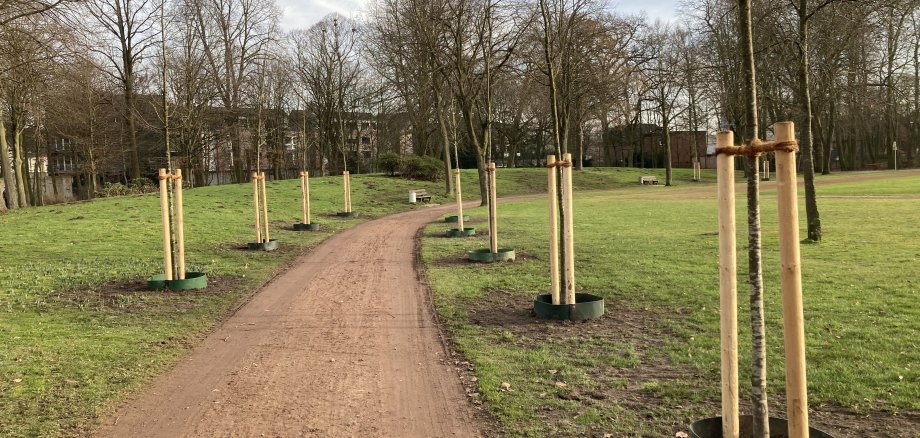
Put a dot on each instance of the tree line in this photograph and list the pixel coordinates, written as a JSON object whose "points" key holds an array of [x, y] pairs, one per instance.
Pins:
{"points": [[464, 81]]}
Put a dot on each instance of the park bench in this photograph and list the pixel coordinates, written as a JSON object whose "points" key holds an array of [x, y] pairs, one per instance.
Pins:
{"points": [[648, 180], [422, 195], [876, 166]]}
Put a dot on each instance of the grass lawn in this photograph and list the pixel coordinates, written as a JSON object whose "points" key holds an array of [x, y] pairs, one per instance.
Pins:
{"points": [[651, 365], [77, 327]]}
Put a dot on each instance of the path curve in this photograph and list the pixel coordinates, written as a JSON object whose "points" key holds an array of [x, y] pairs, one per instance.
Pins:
{"points": [[342, 344]]}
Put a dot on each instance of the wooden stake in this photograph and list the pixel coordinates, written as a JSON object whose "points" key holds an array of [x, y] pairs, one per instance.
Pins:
{"points": [[305, 194], [568, 231], [553, 228], [348, 190], [264, 207], [493, 211], [180, 224], [728, 289], [164, 207], [255, 206], [460, 224], [791, 281], [345, 189]]}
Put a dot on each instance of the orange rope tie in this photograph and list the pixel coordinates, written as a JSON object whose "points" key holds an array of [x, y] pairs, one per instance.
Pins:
{"points": [[757, 147]]}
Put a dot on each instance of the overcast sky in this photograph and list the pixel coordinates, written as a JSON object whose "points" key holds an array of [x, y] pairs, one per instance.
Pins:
{"points": [[303, 13]]}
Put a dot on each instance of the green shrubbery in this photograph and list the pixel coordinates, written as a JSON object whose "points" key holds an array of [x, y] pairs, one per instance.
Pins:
{"points": [[389, 163], [412, 166], [137, 186]]}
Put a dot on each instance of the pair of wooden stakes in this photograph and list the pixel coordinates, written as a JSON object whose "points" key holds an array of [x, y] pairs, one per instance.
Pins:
{"points": [[785, 148], [565, 166], [492, 195], [173, 178]]}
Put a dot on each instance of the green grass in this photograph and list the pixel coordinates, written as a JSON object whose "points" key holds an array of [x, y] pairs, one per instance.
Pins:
{"points": [[655, 262], [72, 348]]}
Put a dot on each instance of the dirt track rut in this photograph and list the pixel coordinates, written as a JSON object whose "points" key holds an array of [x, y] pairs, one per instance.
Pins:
{"points": [[342, 344]]}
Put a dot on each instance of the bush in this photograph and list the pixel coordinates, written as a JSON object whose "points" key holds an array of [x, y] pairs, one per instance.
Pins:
{"points": [[422, 168], [389, 163], [137, 186]]}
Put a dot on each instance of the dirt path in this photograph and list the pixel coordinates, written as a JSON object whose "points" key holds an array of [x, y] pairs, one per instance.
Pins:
{"points": [[343, 344]]}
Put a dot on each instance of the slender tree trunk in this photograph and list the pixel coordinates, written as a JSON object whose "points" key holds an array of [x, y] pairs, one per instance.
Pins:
{"points": [[445, 142], [668, 170], [759, 402], [21, 179], [132, 130], [8, 180], [813, 218]]}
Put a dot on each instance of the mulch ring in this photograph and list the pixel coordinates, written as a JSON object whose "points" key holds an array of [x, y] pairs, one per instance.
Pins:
{"points": [[133, 296], [660, 395]]}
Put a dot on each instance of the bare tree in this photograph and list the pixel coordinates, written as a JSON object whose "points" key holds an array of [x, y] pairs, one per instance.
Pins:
{"points": [[126, 34], [234, 36]]}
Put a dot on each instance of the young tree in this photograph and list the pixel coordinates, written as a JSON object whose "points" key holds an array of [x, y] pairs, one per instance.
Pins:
{"points": [[761, 423]]}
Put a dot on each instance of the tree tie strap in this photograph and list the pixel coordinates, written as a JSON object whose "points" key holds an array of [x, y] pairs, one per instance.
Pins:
{"points": [[757, 147], [560, 163]]}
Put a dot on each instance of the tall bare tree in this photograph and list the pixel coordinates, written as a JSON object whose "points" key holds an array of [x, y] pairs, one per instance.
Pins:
{"points": [[234, 36], [126, 34]]}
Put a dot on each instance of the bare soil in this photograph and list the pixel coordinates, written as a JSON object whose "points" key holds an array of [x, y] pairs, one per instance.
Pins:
{"points": [[342, 344]]}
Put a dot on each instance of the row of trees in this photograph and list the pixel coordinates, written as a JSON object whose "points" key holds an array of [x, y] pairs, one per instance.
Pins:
{"points": [[493, 79]]}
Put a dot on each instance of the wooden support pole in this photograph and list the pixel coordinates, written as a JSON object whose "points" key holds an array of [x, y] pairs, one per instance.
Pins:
{"points": [[345, 190], [552, 191], [568, 232], [305, 191], [459, 193], [493, 210], [164, 207], [791, 281], [348, 190], [728, 289], [180, 224], [255, 206], [264, 207]]}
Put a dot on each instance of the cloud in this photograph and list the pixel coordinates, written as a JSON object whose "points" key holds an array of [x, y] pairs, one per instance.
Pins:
{"points": [[663, 9], [301, 14]]}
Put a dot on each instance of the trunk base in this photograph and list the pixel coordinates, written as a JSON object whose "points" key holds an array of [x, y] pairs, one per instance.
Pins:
{"points": [[712, 428], [306, 227], [586, 307], [456, 232], [271, 245], [193, 280], [486, 255]]}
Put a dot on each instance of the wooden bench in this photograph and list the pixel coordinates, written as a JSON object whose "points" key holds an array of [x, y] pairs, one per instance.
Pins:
{"points": [[648, 180], [876, 166], [422, 195]]}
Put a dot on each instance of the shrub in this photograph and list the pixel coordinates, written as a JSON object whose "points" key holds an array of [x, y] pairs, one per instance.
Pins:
{"points": [[137, 186], [389, 163], [422, 168]]}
